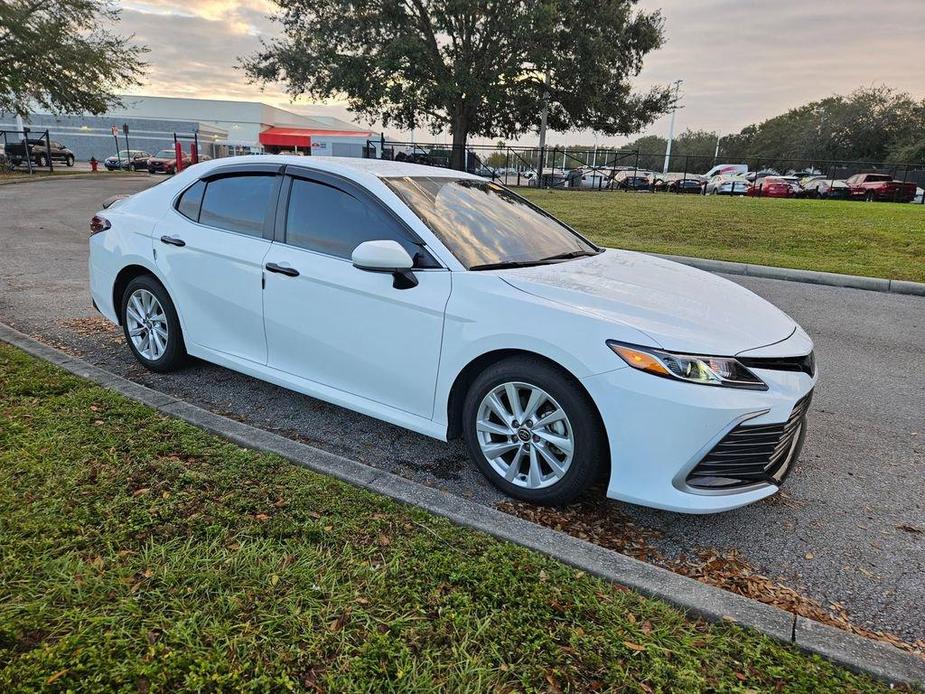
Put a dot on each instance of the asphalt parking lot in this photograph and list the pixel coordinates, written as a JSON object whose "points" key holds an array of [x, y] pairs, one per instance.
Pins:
{"points": [[848, 528]]}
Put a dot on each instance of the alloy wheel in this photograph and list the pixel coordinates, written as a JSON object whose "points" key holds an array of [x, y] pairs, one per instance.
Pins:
{"points": [[146, 321], [525, 435]]}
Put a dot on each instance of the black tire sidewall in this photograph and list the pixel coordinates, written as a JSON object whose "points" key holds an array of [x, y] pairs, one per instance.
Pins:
{"points": [[69, 161], [590, 443], [175, 354]]}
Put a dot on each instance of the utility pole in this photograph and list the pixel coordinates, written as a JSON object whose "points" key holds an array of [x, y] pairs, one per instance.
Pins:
{"points": [[677, 89], [716, 153], [544, 115]]}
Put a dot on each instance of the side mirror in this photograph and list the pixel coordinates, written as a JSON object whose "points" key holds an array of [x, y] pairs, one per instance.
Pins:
{"points": [[386, 256]]}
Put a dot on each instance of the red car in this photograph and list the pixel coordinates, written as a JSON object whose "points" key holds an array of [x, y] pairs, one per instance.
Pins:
{"points": [[771, 187], [879, 186]]}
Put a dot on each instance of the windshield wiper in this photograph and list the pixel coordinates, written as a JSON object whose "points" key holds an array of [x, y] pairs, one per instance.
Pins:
{"points": [[567, 256], [507, 264]]}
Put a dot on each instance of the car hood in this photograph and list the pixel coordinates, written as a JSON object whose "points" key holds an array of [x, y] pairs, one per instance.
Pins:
{"points": [[680, 308]]}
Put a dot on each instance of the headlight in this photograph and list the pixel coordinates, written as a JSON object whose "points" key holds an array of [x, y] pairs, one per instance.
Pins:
{"points": [[693, 368]]}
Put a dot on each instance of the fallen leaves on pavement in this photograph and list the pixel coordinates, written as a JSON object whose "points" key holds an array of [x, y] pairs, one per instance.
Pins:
{"points": [[596, 521]]}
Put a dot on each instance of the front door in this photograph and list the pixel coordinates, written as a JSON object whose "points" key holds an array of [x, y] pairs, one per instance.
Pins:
{"points": [[346, 328]]}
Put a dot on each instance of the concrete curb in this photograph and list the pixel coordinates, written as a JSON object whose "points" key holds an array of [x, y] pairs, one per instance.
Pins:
{"points": [[861, 655], [831, 279]]}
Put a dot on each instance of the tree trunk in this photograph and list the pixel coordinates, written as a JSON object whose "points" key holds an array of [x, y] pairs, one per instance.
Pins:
{"points": [[460, 132]]}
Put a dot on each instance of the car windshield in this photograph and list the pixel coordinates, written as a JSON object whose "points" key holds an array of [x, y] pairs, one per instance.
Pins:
{"points": [[486, 225], [165, 154]]}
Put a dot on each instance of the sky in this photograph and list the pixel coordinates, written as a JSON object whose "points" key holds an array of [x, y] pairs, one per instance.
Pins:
{"points": [[741, 61]]}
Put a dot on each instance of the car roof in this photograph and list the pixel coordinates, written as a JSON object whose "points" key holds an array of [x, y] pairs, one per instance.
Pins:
{"points": [[349, 166]]}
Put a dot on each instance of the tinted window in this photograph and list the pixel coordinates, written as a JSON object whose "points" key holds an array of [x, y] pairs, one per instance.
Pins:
{"points": [[329, 220], [188, 204], [485, 224], [237, 203]]}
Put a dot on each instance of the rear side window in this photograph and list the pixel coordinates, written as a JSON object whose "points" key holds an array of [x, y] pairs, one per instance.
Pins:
{"points": [[190, 201], [238, 203], [329, 220]]}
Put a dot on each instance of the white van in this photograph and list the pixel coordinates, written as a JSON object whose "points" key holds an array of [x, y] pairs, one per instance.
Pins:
{"points": [[728, 170]]}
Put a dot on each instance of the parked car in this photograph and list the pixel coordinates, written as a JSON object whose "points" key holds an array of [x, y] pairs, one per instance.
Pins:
{"points": [[919, 196], [38, 151], [675, 182], [165, 161], [449, 305], [824, 187], [725, 184], [631, 179], [133, 159], [771, 187], [880, 186]]}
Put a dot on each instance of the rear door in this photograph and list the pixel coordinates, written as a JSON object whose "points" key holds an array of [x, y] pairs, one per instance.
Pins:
{"points": [[210, 248], [346, 328]]}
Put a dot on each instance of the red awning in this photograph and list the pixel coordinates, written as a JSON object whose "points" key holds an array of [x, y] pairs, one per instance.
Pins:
{"points": [[286, 137], [302, 137]]}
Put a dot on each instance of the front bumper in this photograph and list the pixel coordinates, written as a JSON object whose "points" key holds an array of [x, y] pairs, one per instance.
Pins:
{"points": [[659, 430]]}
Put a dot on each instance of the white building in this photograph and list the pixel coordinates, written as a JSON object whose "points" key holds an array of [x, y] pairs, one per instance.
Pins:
{"points": [[223, 128]]}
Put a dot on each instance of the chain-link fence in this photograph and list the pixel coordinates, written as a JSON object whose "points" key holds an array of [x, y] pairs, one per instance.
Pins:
{"points": [[631, 170]]}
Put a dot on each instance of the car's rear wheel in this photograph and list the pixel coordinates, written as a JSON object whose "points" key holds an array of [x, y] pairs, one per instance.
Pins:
{"points": [[41, 160], [69, 161], [532, 431], [870, 197], [151, 326]]}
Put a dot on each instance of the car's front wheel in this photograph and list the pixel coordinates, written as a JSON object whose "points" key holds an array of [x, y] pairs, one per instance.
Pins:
{"points": [[532, 431], [69, 161], [151, 326]]}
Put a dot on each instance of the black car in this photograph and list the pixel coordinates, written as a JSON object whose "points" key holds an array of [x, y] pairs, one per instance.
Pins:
{"points": [[128, 159], [38, 151]]}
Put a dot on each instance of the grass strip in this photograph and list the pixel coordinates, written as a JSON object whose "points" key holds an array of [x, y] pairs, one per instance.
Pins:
{"points": [[854, 238], [138, 553]]}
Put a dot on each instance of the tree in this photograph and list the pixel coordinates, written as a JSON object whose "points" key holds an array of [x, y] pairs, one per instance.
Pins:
{"points": [[59, 55], [476, 67]]}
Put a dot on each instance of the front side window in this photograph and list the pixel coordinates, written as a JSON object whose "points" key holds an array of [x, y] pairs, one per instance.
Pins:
{"points": [[238, 203], [329, 220], [486, 225]]}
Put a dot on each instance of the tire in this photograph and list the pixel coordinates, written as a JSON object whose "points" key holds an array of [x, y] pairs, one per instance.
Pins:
{"points": [[69, 161], [522, 467], [41, 161], [162, 315]]}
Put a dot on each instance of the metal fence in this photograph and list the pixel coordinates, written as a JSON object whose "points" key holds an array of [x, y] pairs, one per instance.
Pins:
{"points": [[30, 143], [623, 169]]}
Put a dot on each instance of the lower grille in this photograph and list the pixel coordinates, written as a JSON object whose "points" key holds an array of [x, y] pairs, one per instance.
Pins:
{"points": [[754, 453]]}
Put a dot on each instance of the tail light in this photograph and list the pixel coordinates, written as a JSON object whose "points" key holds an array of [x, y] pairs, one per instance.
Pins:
{"points": [[98, 224]]}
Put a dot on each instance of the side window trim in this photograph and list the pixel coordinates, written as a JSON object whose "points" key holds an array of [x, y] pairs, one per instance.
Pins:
{"points": [[350, 188]]}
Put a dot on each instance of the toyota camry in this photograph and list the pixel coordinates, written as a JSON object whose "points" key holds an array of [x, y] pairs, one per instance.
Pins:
{"points": [[447, 304]]}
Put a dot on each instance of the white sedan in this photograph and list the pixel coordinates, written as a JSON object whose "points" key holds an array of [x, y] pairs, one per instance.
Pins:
{"points": [[449, 305]]}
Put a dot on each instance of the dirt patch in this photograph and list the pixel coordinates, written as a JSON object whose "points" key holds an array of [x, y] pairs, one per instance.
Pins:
{"points": [[596, 521]]}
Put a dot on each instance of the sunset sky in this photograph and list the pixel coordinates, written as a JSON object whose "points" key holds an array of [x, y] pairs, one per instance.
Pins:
{"points": [[741, 60]]}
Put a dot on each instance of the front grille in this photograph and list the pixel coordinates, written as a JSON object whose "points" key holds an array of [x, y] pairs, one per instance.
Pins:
{"points": [[806, 363], [753, 453]]}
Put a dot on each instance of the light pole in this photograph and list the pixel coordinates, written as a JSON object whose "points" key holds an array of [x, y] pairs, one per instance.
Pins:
{"points": [[677, 89]]}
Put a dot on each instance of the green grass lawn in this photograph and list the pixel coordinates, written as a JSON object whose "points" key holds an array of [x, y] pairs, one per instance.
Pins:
{"points": [[138, 553], [872, 239]]}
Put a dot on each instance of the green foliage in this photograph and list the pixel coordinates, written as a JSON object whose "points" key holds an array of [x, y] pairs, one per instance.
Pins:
{"points": [[59, 55], [875, 239], [872, 124], [141, 554], [473, 66]]}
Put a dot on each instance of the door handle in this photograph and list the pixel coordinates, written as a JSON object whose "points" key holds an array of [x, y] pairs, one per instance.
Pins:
{"points": [[288, 271], [173, 241]]}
